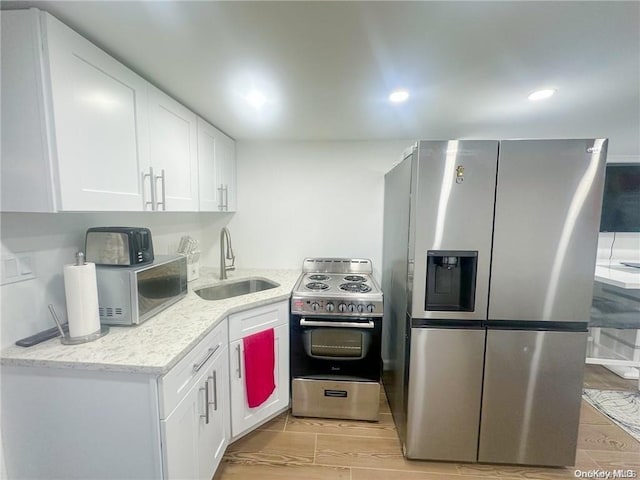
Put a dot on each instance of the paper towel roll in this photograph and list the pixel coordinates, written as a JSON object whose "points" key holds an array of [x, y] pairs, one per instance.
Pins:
{"points": [[81, 291]]}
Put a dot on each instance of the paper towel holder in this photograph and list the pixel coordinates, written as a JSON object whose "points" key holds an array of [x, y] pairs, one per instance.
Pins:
{"points": [[65, 339]]}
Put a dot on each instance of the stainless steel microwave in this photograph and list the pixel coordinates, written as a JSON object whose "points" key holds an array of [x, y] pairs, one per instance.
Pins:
{"points": [[131, 295]]}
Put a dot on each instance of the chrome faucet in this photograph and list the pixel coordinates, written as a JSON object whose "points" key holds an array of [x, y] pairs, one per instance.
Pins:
{"points": [[226, 254]]}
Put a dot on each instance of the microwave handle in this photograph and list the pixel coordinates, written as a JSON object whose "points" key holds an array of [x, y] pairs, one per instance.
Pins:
{"points": [[316, 323]]}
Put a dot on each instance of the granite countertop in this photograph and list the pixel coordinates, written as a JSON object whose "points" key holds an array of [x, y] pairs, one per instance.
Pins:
{"points": [[156, 345], [614, 273]]}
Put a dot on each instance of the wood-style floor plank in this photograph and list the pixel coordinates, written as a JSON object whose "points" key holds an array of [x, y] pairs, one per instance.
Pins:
{"points": [[277, 424], [385, 428], [273, 448], [616, 460], [371, 474], [601, 378], [235, 471], [591, 416], [606, 437], [376, 453]]}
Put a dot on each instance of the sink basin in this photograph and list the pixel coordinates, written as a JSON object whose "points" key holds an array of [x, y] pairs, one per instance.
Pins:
{"points": [[235, 288]]}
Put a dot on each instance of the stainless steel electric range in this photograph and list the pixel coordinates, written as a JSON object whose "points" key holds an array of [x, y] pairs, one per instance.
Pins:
{"points": [[336, 329]]}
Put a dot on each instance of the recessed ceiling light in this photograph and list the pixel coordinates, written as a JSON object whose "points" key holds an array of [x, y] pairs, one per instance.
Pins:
{"points": [[256, 99], [541, 94], [399, 96]]}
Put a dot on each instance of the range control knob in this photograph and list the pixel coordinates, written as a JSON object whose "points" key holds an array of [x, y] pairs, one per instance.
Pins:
{"points": [[371, 308], [330, 307], [315, 306], [360, 308], [352, 307], [342, 307]]}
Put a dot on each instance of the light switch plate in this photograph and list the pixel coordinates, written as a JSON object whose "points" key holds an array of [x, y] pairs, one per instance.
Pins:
{"points": [[18, 267]]}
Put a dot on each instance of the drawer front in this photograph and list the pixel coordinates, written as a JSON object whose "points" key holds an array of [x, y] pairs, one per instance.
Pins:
{"points": [[179, 380], [258, 319]]}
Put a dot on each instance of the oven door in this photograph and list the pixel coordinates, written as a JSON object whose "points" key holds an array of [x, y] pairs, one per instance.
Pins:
{"points": [[335, 348]]}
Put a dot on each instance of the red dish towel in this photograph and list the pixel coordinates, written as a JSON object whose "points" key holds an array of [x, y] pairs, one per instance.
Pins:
{"points": [[259, 366]]}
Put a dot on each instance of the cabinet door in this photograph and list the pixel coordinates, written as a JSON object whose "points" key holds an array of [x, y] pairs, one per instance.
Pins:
{"points": [[180, 435], [226, 167], [100, 124], [214, 437], [173, 146], [244, 418], [216, 165]]}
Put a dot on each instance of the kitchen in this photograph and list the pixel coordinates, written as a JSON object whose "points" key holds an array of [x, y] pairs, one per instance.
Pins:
{"points": [[294, 188]]}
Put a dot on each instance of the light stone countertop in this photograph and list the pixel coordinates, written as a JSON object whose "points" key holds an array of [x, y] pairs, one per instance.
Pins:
{"points": [[156, 345], [614, 273]]}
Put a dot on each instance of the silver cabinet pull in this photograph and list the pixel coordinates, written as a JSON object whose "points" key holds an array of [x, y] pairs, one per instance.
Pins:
{"points": [[214, 379], [162, 178], [226, 198], [314, 323], [152, 190], [239, 362], [206, 402], [209, 354], [221, 202]]}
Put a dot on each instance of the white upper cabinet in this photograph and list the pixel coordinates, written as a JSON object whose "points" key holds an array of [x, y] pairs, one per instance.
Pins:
{"points": [[82, 132], [174, 155], [217, 169], [87, 112]]}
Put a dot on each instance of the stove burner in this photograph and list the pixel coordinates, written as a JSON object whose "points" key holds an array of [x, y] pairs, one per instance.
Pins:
{"points": [[355, 278], [319, 278], [355, 287], [317, 286]]}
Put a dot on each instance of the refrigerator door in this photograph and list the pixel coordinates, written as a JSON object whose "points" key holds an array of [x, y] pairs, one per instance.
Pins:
{"points": [[452, 199], [445, 384], [547, 215], [531, 397]]}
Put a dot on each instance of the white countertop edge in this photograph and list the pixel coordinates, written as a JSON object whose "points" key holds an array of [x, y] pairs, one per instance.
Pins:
{"points": [[605, 274]]}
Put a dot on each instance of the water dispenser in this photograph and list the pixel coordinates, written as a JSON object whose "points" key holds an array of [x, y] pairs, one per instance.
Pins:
{"points": [[451, 280]]}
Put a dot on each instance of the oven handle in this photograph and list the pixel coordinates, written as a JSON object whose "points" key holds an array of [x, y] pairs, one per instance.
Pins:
{"points": [[315, 323]]}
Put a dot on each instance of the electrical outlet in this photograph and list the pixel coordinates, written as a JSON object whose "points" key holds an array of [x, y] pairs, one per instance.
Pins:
{"points": [[16, 268]]}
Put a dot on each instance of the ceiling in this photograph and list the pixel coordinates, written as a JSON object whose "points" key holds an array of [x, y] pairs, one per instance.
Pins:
{"points": [[327, 68]]}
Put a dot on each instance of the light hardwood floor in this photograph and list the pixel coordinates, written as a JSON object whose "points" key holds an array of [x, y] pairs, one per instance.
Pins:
{"points": [[320, 449]]}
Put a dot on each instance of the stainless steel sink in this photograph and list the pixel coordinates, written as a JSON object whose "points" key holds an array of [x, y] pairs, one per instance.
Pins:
{"points": [[236, 288]]}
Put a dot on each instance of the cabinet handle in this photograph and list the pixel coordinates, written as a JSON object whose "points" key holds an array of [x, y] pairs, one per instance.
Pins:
{"points": [[226, 198], [221, 203], [210, 352], [214, 378], [152, 192], [206, 402], [162, 178], [239, 362]]}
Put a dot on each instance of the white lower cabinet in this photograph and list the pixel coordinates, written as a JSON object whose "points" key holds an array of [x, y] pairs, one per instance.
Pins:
{"points": [[194, 409], [196, 434], [276, 316], [81, 424]]}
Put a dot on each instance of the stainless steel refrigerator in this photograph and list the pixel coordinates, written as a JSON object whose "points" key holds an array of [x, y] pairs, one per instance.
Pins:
{"points": [[488, 258]]}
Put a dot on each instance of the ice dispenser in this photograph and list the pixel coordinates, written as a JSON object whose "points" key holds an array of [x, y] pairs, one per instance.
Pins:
{"points": [[451, 280]]}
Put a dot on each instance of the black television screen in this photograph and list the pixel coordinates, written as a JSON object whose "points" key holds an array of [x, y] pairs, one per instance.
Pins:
{"points": [[621, 198]]}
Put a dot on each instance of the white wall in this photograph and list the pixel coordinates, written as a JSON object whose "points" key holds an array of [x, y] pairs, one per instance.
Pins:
{"points": [[52, 241], [306, 199]]}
